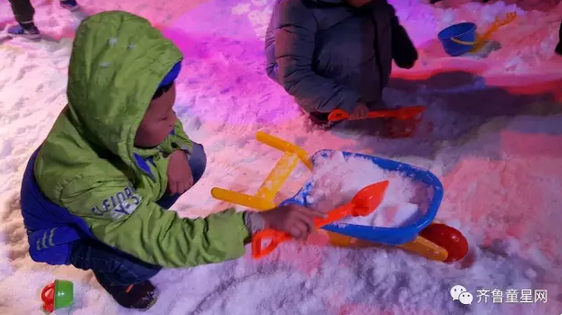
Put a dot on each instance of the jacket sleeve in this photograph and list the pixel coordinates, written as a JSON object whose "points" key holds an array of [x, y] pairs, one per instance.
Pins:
{"points": [[394, 21], [269, 48], [120, 217], [294, 49], [404, 52]]}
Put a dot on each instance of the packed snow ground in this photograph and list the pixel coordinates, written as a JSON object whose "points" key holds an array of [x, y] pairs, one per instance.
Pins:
{"points": [[492, 134]]}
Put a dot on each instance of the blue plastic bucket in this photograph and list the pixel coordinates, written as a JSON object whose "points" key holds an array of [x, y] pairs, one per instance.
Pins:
{"points": [[458, 39], [383, 235]]}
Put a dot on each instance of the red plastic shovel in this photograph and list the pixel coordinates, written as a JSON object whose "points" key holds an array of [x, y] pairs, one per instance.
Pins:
{"points": [[362, 204], [404, 113]]}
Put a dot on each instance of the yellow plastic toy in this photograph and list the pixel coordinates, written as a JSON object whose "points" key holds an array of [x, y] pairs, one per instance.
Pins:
{"points": [[263, 199], [436, 241]]}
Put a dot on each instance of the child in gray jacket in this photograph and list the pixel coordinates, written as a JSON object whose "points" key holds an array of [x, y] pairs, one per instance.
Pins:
{"points": [[335, 54]]}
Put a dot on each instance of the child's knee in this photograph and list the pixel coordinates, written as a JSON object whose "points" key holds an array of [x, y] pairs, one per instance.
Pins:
{"points": [[116, 266]]}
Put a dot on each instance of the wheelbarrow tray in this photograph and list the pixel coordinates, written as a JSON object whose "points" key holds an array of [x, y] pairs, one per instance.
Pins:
{"points": [[382, 235]]}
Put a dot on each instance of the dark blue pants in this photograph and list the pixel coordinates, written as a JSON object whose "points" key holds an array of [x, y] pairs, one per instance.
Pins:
{"points": [[117, 268]]}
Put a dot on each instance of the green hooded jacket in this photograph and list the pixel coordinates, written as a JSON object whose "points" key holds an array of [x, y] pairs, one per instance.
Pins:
{"points": [[88, 164]]}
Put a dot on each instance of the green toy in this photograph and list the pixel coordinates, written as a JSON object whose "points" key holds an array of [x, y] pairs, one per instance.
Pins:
{"points": [[57, 295]]}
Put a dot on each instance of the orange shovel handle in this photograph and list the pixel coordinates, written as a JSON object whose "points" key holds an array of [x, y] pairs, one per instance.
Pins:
{"points": [[277, 237], [405, 113], [334, 215], [401, 113]]}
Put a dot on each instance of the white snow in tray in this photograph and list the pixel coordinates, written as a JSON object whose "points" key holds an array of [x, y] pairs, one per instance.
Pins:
{"points": [[337, 179], [492, 133]]}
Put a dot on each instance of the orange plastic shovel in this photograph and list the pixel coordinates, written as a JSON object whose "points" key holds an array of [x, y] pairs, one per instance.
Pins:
{"points": [[405, 113], [362, 204], [509, 17]]}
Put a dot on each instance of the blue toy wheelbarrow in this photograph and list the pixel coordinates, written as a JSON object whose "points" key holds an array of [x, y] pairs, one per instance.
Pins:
{"points": [[423, 236]]}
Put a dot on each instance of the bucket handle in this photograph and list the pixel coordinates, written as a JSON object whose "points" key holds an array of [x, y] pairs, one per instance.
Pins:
{"points": [[462, 42]]}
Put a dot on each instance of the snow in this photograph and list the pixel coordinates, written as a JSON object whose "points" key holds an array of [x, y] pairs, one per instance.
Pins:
{"points": [[491, 133], [336, 179]]}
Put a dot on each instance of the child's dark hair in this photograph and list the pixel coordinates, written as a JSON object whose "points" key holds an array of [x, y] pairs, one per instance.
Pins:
{"points": [[161, 90]]}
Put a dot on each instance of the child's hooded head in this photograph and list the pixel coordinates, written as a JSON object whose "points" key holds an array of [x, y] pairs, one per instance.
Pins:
{"points": [[121, 83]]}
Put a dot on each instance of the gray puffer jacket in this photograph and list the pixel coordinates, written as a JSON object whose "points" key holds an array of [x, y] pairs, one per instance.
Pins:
{"points": [[329, 55]]}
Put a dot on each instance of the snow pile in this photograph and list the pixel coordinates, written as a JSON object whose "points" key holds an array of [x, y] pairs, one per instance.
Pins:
{"points": [[336, 179]]}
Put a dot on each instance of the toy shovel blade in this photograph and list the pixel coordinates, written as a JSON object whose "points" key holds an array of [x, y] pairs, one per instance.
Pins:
{"points": [[362, 204]]}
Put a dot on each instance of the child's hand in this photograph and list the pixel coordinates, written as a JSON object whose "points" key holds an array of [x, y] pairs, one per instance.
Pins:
{"points": [[293, 219], [180, 178], [360, 112]]}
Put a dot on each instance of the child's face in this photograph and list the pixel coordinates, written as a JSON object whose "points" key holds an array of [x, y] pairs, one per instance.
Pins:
{"points": [[158, 121]]}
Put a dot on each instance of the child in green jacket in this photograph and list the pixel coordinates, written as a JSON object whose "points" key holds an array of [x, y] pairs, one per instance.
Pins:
{"points": [[95, 194]]}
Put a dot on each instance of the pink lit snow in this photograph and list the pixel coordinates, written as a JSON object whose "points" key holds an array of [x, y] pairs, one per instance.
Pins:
{"points": [[492, 134]]}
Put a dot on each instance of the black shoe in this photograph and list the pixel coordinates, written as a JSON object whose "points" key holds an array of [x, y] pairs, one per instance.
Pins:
{"points": [[28, 31], [559, 49], [140, 296]]}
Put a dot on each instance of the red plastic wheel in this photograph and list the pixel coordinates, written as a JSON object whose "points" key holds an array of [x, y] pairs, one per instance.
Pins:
{"points": [[449, 238]]}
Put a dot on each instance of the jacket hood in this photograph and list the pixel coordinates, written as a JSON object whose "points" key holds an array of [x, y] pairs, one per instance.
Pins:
{"points": [[118, 61]]}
